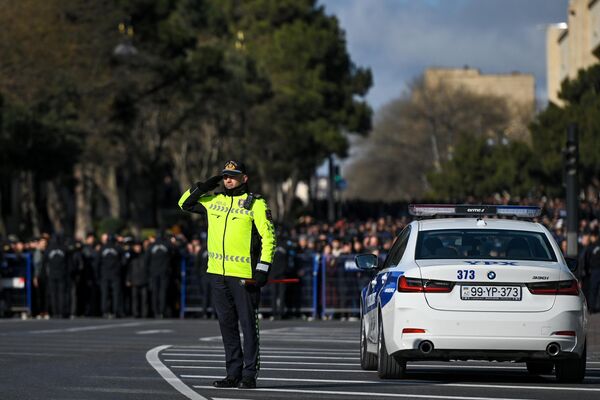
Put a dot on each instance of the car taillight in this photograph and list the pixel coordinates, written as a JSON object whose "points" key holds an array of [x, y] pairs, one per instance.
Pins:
{"points": [[569, 288], [423, 285], [564, 333]]}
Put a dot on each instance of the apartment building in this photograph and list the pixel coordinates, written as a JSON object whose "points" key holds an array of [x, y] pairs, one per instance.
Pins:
{"points": [[572, 45], [517, 89]]}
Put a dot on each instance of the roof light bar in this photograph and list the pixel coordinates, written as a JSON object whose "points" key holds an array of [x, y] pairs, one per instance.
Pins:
{"points": [[422, 210]]}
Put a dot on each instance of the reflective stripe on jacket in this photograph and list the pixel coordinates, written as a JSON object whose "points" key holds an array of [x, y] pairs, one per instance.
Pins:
{"points": [[230, 228]]}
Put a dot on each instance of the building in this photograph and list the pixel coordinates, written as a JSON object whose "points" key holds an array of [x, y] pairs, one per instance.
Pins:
{"points": [[517, 89], [573, 45]]}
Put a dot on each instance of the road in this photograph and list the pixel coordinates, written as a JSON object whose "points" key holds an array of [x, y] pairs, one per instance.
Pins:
{"points": [[174, 359]]}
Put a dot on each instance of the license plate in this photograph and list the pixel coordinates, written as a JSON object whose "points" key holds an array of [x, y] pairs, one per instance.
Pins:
{"points": [[502, 293]]}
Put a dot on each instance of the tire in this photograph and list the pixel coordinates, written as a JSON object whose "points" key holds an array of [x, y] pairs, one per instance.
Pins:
{"points": [[572, 371], [388, 367], [540, 367], [368, 361]]}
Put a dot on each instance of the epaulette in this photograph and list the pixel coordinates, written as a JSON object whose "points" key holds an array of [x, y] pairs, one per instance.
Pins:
{"points": [[250, 199]]}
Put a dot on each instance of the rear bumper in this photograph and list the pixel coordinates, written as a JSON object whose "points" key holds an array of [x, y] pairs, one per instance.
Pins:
{"points": [[514, 336], [484, 349]]}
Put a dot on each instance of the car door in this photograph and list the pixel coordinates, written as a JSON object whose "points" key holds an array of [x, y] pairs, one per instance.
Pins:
{"points": [[375, 293]]}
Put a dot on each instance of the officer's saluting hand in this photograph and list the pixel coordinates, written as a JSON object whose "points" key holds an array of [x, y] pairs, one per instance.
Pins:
{"points": [[241, 244]]}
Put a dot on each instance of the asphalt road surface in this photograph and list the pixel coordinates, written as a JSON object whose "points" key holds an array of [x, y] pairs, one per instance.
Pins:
{"points": [[173, 359]]}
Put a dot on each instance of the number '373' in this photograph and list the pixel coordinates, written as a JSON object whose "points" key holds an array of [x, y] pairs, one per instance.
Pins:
{"points": [[465, 274]]}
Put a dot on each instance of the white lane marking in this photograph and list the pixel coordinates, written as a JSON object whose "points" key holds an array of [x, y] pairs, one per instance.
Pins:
{"points": [[150, 392], [559, 388], [15, 353], [283, 339], [305, 340], [88, 328], [275, 369], [154, 331], [262, 332], [263, 351], [368, 394], [360, 370], [263, 356], [170, 377], [200, 348], [269, 362], [285, 379]]}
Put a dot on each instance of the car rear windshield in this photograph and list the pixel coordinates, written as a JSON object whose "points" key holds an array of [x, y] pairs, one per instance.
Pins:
{"points": [[484, 244]]}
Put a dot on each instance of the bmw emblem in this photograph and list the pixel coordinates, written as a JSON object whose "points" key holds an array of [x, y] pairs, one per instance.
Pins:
{"points": [[491, 275]]}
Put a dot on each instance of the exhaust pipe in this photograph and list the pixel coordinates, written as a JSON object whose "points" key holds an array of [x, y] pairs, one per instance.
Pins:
{"points": [[425, 347], [553, 349]]}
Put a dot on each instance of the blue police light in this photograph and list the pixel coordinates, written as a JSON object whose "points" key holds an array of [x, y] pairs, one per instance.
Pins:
{"points": [[422, 210], [519, 211]]}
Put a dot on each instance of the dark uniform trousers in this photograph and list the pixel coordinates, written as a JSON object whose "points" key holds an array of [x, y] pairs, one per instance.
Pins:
{"points": [[234, 302], [112, 283]]}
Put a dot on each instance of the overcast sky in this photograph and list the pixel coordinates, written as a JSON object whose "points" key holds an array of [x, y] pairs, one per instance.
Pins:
{"points": [[398, 39]]}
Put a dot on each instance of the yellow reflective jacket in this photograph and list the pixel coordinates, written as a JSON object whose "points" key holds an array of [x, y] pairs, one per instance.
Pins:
{"points": [[230, 230]]}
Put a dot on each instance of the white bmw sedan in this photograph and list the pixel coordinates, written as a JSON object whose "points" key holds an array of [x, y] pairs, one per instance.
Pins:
{"points": [[473, 289]]}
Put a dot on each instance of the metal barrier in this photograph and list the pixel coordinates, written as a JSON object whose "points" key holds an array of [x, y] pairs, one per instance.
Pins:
{"points": [[195, 294], [15, 283], [341, 283], [297, 299], [277, 300]]}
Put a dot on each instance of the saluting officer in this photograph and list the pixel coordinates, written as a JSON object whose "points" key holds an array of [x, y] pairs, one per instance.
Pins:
{"points": [[237, 222]]}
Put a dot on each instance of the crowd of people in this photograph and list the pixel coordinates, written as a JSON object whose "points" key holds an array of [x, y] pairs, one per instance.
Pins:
{"points": [[115, 276]]}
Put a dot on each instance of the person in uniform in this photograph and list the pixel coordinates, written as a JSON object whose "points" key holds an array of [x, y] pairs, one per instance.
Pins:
{"points": [[137, 280], [158, 260], [57, 270], [592, 267], [241, 243], [109, 263]]}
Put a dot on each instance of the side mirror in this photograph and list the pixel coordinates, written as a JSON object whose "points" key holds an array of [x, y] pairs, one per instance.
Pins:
{"points": [[366, 262], [571, 263]]}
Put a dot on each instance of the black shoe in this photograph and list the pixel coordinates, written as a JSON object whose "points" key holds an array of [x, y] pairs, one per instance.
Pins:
{"points": [[247, 383], [228, 382]]}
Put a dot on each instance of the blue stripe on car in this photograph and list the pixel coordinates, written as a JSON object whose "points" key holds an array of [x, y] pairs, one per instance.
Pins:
{"points": [[386, 294]]}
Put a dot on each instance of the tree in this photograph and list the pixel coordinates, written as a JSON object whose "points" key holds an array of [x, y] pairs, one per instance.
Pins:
{"points": [[481, 167], [315, 91], [419, 133], [153, 89], [37, 145], [582, 102]]}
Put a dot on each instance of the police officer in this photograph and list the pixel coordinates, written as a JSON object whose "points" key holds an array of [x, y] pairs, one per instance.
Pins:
{"points": [[57, 270], [592, 267], [199, 256], [91, 292], [137, 279], [158, 260], [237, 221], [109, 263], [76, 278]]}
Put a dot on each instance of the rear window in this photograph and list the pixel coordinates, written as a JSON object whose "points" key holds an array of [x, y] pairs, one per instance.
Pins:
{"points": [[484, 244]]}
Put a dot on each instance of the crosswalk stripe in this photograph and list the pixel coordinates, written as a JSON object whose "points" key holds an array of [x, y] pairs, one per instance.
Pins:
{"points": [[265, 356], [368, 394]]}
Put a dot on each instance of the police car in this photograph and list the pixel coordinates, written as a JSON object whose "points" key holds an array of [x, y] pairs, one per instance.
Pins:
{"points": [[473, 288]]}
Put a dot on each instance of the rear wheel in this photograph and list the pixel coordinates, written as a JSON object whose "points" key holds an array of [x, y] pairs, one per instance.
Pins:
{"points": [[388, 367], [368, 361], [540, 367], [572, 371]]}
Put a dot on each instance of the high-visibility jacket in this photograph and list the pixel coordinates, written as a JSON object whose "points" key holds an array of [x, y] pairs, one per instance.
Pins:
{"points": [[230, 230]]}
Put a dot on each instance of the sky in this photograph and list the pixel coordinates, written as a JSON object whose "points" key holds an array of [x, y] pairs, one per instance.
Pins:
{"points": [[399, 39]]}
